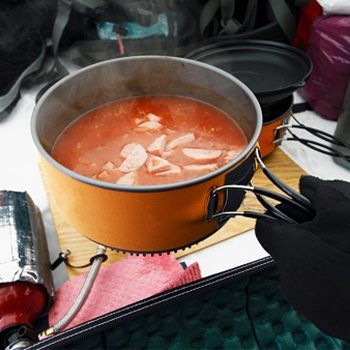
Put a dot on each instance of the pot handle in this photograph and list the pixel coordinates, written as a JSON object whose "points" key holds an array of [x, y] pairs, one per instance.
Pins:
{"points": [[290, 197], [333, 146], [241, 175]]}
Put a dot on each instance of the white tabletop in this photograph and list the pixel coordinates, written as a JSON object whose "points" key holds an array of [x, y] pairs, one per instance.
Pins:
{"points": [[20, 172]]}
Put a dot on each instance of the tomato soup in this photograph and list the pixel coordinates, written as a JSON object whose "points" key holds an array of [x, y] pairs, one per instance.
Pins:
{"points": [[149, 140]]}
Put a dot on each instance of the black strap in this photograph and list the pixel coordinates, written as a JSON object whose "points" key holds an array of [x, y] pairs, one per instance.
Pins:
{"points": [[57, 70], [64, 9], [285, 18], [301, 107], [62, 18], [208, 14], [230, 25]]}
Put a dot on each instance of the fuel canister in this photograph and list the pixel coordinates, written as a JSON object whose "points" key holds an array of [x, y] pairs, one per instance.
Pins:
{"points": [[26, 283]]}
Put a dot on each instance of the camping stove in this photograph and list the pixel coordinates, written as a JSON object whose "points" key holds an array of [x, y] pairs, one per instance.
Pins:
{"points": [[26, 283]]}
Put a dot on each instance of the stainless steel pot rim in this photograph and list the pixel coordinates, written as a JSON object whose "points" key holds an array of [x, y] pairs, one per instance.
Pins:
{"points": [[154, 188]]}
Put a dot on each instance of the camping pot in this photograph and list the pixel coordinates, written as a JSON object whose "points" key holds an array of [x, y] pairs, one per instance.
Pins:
{"points": [[274, 116], [272, 71], [144, 219]]}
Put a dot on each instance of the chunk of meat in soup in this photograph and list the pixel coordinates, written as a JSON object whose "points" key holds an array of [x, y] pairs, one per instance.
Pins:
{"points": [[202, 155], [200, 168], [134, 160], [157, 164], [179, 141], [157, 146], [128, 179]]}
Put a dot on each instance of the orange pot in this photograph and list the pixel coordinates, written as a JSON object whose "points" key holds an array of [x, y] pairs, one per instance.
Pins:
{"points": [[274, 116], [145, 219]]}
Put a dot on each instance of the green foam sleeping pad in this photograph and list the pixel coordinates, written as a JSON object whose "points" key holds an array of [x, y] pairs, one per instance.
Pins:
{"points": [[240, 308]]}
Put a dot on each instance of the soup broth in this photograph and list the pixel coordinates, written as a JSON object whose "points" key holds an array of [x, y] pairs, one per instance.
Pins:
{"points": [[149, 140]]}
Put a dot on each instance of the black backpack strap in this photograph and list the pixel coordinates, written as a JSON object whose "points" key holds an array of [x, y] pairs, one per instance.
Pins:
{"points": [[64, 9], [208, 14], [230, 24], [285, 18], [227, 9], [63, 12]]}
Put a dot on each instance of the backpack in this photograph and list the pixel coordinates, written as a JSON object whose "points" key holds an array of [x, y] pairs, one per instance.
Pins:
{"points": [[89, 31]]}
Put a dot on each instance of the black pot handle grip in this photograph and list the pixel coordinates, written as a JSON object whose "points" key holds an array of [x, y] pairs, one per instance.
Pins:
{"points": [[241, 175], [234, 193]]}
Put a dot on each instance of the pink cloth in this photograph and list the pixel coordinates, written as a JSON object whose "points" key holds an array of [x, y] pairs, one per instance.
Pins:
{"points": [[122, 283]]}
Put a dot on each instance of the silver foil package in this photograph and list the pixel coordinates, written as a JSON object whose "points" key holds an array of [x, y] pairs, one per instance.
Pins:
{"points": [[24, 254]]}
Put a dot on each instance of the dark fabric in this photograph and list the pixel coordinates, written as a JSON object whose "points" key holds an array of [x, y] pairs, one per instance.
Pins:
{"points": [[23, 26], [26, 24], [313, 256], [251, 20], [87, 48]]}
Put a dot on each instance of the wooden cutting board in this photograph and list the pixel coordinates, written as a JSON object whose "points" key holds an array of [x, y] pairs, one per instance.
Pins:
{"points": [[83, 249]]}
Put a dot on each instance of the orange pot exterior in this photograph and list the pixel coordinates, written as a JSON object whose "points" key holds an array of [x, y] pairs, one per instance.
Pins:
{"points": [[134, 221], [270, 133], [268, 136]]}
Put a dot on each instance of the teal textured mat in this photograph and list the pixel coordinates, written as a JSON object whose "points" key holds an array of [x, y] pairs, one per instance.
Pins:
{"points": [[242, 311]]}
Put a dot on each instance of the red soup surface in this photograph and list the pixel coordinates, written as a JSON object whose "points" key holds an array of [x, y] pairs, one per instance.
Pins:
{"points": [[149, 141]]}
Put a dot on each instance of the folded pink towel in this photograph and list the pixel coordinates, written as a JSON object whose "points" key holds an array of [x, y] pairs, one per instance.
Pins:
{"points": [[119, 284]]}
